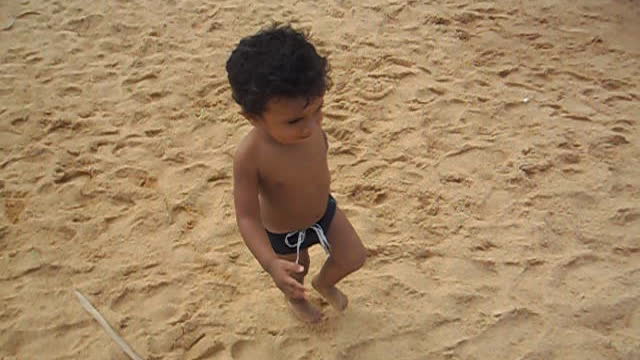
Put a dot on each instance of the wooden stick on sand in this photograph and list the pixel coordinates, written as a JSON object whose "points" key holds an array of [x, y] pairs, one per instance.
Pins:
{"points": [[96, 315]]}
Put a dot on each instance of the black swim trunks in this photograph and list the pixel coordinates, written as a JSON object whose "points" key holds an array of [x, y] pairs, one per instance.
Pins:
{"points": [[293, 242]]}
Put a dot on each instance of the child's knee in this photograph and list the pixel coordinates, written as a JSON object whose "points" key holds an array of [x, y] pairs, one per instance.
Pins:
{"points": [[355, 261], [360, 259]]}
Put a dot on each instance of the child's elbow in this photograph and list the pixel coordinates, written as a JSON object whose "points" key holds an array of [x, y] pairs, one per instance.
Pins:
{"points": [[243, 220]]}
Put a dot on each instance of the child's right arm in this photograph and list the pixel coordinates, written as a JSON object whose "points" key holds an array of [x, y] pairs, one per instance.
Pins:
{"points": [[245, 194]]}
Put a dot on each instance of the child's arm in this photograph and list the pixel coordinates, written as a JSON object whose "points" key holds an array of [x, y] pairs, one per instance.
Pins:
{"points": [[245, 193]]}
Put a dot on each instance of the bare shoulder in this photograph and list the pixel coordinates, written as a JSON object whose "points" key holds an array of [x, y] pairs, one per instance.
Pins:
{"points": [[245, 165], [246, 150], [245, 177]]}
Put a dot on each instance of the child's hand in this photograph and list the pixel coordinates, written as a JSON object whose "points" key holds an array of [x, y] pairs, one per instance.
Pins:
{"points": [[281, 270]]}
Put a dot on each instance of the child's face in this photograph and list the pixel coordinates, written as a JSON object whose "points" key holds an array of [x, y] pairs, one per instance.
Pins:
{"points": [[291, 120]]}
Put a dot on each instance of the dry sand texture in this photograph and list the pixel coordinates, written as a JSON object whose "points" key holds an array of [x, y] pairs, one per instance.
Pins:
{"points": [[487, 152]]}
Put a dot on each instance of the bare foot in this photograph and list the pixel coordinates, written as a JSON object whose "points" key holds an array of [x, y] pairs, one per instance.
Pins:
{"points": [[304, 310], [332, 294]]}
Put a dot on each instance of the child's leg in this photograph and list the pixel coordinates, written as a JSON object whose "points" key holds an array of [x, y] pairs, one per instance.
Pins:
{"points": [[302, 308], [347, 255]]}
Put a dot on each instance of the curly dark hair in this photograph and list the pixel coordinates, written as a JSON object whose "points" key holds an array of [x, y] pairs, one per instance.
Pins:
{"points": [[277, 61]]}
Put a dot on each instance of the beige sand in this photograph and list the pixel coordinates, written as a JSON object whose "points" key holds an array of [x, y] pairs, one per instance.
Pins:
{"points": [[487, 152]]}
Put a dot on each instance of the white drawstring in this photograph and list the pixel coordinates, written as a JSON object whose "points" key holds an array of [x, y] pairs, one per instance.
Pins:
{"points": [[302, 234]]}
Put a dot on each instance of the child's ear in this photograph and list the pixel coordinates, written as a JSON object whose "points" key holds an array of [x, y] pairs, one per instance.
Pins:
{"points": [[253, 119]]}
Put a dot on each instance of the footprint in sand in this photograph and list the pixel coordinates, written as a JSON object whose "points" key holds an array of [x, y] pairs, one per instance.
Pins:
{"points": [[609, 317], [13, 207], [626, 216], [249, 349], [511, 336], [139, 177], [273, 348], [422, 340]]}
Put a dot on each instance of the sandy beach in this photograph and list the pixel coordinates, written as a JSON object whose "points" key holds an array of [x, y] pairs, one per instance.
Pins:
{"points": [[487, 152]]}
